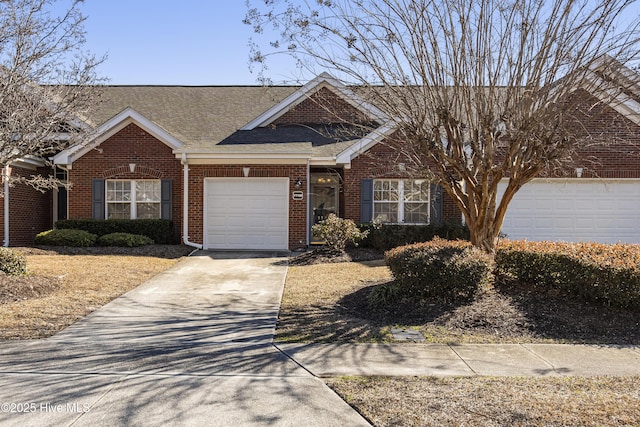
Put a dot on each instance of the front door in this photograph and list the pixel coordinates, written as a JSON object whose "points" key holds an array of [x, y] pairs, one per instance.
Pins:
{"points": [[324, 199]]}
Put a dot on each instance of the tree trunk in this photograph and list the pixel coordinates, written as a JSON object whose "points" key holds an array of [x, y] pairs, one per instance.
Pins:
{"points": [[483, 236]]}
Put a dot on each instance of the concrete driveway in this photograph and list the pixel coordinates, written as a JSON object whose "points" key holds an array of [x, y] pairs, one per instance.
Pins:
{"points": [[192, 346]]}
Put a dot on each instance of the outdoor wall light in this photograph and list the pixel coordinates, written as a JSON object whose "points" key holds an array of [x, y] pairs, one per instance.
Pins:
{"points": [[298, 183]]}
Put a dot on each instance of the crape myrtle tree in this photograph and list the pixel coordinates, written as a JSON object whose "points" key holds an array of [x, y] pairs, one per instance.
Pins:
{"points": [[46, 82], [478, 91]]}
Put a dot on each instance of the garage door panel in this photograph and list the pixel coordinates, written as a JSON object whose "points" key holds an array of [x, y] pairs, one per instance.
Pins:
{"points": [[606, 211], [246, 213]]}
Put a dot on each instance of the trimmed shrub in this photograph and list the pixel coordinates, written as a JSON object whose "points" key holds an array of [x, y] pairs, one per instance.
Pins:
{"points": [[124, 240], [609, 274], [338, 232], [12, 263], [384, 295], [388, 236], [76, 238], [442, 270], [158, 230]]}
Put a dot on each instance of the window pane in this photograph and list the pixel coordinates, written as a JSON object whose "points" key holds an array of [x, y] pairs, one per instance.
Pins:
{"points": [[385, 190], [148, 210], [118, 210], [416, 213], [385, 212], [416, 191], [148, 191], [118, 191]]}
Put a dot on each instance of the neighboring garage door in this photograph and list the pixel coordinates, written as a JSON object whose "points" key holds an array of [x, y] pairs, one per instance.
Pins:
{"points": [[605, 211], [246, 213]]}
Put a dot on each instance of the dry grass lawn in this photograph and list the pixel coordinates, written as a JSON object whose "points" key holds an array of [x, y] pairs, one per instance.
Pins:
{"points": [[86, 282], [310, 309], [329, 303], [486, 401]]}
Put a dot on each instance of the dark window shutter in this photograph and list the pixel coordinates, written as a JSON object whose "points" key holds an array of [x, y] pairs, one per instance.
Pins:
{"points": [[166, 199], [97, 199], [366, 201], [436, 204]]}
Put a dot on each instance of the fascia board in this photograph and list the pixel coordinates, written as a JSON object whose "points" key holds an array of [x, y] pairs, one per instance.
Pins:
{"points": [[624, 105], [241, 155], [323, 161], [621, 70], [365, 143], [28, 162], [113, 126], [283, 106], [320, 81]]}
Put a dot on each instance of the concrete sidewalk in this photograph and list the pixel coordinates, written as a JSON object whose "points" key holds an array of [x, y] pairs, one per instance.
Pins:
{"points": [[328, 360], [192, 346]]}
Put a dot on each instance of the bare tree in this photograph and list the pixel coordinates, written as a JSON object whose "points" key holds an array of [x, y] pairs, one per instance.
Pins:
{"points": [[46, 81], [477, 90]]}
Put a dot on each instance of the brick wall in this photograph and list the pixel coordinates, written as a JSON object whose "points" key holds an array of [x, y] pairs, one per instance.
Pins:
{"points": [[297, 208], [608, 147], [381, 162], [609, 143], [323, 107], [153, 160], [30, 211]]}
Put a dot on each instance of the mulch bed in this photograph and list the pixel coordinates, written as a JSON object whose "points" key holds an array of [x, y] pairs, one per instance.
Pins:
{"points": [[18, 288], [157, 251], [506, 312], [325, 256]]}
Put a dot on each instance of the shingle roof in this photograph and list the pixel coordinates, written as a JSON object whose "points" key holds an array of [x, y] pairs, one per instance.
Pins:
{"points": [[199, 116]]}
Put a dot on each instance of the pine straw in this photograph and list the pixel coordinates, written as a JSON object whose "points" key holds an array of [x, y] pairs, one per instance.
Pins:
{"points": [[487, 401], [61, 289]]}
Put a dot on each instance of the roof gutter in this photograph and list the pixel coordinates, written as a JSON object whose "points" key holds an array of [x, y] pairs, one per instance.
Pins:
{"points": [[185, 198], [5, 176]]}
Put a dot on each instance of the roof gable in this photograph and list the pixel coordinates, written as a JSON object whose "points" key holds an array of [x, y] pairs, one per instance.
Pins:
{"points": [[304, 93], [113, 126], [615, 85]]}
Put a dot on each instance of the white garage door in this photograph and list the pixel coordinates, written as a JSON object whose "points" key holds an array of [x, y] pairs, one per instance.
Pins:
{"points": [[246, 213], [605, 211]]}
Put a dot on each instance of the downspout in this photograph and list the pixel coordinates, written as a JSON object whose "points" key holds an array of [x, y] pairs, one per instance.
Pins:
{"points": [[308, 214], [5, 176], [185, 199]]}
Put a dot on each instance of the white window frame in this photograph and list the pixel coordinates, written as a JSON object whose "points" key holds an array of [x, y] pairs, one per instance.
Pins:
{"points": [[401, 201], [133, 211]]}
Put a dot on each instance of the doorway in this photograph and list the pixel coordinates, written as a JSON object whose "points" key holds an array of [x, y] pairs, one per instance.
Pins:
{"points": [[324, 199]]}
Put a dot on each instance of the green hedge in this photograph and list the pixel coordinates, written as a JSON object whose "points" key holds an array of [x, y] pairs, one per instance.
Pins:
{"points": [[440, 269], [76, 238], [609, 274], [12, 263], [388, 236], [158, 230], [125, 240]]}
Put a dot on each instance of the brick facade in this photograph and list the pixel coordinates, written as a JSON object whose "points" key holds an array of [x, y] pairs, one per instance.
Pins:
{"points": [[31, 211], [131, 145], [323, 107], [297, 208], [610, 142], [381, 162]]}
